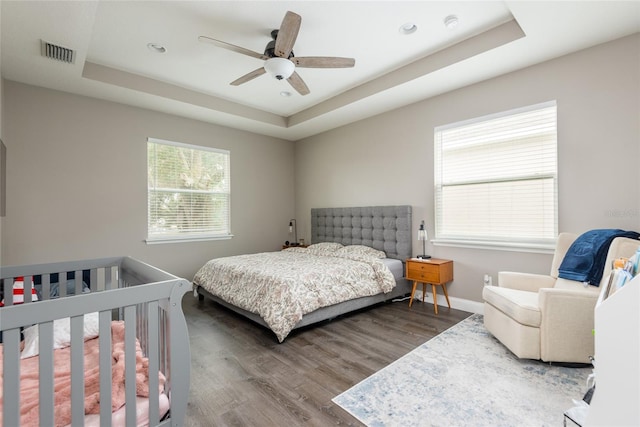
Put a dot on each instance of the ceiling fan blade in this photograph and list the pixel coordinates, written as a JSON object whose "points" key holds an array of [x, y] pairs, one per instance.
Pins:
{"points": [[287, 34], [323, 62], [233, 47], [298, 84], [249, 76]]}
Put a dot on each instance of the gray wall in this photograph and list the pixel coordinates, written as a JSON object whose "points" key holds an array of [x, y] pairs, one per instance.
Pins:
{"points": [[388, 159], [77, 182]]}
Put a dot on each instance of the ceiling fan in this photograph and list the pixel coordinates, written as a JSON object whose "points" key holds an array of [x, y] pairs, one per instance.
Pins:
{"points": [[278, 57]]}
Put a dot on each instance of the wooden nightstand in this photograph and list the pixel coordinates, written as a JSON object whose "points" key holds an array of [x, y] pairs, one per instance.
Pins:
{"points": [[436, 272]]}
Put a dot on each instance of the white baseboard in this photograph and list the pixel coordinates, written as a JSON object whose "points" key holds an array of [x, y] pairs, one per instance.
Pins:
{"points": [[457, 303]]}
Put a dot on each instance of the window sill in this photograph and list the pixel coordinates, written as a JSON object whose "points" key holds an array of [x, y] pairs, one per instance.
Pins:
{"points": [[184, 239], [543, 248]]}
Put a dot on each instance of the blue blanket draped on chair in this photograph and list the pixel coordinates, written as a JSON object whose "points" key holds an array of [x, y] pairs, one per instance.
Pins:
{"points": [[584, 261]]}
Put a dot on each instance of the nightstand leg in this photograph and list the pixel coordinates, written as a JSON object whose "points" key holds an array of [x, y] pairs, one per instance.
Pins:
{"points": [[446, 295], [435, 298], [424, 290], [413, 292]]}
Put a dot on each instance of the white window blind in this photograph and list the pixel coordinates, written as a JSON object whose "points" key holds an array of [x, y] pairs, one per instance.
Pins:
{"points": [[496, 178], [189, 191]]}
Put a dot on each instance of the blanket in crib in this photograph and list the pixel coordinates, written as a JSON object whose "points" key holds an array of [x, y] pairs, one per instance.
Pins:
{"points": [[29, 380]]}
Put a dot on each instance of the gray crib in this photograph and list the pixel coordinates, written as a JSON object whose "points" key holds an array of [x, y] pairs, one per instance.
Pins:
{"points": [[147, 299]]}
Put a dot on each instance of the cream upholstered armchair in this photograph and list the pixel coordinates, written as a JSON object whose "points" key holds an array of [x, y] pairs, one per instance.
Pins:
{"points": [[546, 317]]}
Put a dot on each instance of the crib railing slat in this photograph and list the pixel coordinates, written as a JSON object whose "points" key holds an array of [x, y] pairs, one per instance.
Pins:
{"points": [[79, 282], [8, 291], [77, 370], [154, 364], [179, 361], [130, 364], [46, 286], [105, 368], [62, 284], [93, 280], [27, 286], [107, 278], [11, 377], [45, 366]]}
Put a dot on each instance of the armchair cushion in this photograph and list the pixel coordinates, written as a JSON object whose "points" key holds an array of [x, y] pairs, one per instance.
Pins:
{"points": [[521, 306]]}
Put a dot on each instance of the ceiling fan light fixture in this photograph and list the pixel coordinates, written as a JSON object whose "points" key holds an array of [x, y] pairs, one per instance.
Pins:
{"points": [[279, 68]]}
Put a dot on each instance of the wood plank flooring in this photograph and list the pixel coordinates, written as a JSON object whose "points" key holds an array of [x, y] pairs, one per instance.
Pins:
{"points": [[241, 376]]}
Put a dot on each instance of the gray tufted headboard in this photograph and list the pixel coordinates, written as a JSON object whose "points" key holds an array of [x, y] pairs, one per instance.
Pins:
{"points": [[386, 228]]}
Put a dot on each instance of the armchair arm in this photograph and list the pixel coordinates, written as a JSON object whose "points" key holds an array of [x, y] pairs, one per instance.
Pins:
{"points": [[567, 319], [524, 281]]}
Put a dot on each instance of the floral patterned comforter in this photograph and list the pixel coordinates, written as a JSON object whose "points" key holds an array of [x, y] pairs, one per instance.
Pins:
{"points": [[283, 286]]}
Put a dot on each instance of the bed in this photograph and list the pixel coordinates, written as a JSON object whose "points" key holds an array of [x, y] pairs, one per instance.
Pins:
{"points": [[94, 342], [342, 237]]}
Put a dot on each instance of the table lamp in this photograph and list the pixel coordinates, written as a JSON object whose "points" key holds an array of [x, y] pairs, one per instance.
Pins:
{"points": [[293, 229], [422, 235]]}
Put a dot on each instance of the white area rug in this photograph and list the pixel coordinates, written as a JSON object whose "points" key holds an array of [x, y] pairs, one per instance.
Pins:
{"points": [[465, 377]]}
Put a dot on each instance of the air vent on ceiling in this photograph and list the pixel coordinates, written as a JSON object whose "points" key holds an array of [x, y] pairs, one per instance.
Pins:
{"points": [[59, 53]]}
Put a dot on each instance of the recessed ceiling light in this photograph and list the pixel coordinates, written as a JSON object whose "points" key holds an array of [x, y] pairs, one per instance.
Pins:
{"points": [[285, 93], [408, 28], [157, 48], [451, 22]]}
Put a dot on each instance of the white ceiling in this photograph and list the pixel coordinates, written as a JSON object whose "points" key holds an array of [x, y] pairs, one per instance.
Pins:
{"points": [[192, 78]]}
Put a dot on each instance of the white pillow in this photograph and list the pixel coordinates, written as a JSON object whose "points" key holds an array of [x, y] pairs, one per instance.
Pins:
{"points": [[61, 334]]}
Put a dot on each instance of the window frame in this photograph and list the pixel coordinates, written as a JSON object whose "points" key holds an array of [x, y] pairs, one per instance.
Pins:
{"points": [[189, 236], [541, 244]]}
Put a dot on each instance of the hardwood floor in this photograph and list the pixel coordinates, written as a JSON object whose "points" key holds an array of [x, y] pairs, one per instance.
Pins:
{"points": [[241, 376]]}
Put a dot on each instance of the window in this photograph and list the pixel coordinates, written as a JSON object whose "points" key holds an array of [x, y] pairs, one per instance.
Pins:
{"points": [[188, 192], [496, 179]]}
